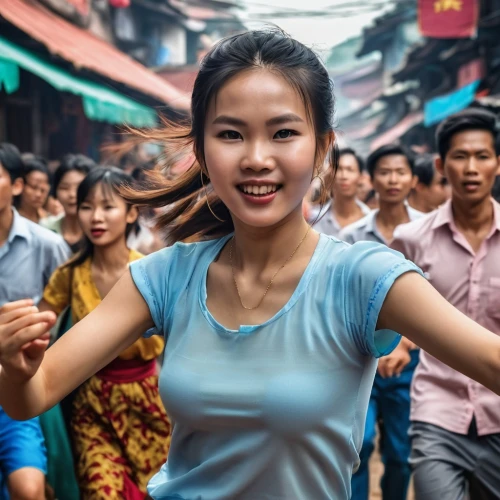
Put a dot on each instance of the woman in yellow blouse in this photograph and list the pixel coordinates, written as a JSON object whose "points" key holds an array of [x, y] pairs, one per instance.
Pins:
{"points": [[117, 414]]}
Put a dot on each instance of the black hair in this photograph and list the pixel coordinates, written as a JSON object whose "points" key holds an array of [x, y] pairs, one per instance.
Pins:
{"points": [[350, 151], [111, 179], [191, 206], [370, 196], [388, 150], [34, 163], [72, 163], [468, 119], [10, 160], [495, 192], [425, 169]]}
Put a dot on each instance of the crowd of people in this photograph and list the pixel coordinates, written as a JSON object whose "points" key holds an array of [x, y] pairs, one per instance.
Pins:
{"points": [[444, 405], [67, 238], [274, 391]]}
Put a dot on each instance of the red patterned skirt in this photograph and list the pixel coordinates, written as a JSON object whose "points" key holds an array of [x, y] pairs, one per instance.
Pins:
{"points": [[120, 430]]}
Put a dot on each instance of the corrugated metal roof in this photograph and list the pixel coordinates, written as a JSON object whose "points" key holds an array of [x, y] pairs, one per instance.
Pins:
{"points": [[84, 50]]}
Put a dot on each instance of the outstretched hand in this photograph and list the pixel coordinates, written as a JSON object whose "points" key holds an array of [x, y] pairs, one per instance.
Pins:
{"points": [[24, 337]]}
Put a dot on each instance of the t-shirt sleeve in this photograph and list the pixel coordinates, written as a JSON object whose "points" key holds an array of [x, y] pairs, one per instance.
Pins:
{"points": [[151, 276], [370, 270], [57, 291]]}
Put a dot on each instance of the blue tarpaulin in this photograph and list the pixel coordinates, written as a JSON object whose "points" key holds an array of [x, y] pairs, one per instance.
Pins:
{"points": [[441, 107]]}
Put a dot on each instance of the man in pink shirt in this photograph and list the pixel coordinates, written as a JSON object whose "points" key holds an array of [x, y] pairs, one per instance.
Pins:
{"points": [[455, 421]]}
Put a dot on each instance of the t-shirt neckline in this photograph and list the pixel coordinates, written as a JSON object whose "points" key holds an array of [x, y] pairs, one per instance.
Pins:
{"points": [[247, 329]]}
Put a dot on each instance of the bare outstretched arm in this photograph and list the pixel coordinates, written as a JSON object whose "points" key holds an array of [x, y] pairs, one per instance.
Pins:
{"points": [[417, 311], [120, 319]]}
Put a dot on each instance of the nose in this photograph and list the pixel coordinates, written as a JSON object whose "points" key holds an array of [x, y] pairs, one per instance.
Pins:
{"points": [[341, 175], [393, 178], [258, 157], [97, 215], [471, 166]]}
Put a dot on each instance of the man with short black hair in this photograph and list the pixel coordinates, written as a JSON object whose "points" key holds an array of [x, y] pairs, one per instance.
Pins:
{"points": [[28, 256], [432, 188], [455, 427], [345, 208], [391, 170]]}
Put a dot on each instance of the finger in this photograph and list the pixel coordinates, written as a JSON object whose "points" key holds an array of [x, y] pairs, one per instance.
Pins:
{"points": [[11, 306], [36, 349], [18, 324], [45, 337], [398, 368], [28, 334], [10, 316], [382, 364], [391, 365]]}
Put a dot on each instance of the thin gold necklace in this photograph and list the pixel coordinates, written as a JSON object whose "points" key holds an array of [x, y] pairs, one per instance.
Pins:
{"points": [[272, 279]]}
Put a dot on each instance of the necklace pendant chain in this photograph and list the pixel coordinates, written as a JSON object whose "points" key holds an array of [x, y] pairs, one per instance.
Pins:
{"points": [[272, 279]]}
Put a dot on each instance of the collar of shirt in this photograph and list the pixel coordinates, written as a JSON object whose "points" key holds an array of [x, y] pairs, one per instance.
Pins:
{"points": [[445, 216], [19, 228], [329, 217], [371, 221]]}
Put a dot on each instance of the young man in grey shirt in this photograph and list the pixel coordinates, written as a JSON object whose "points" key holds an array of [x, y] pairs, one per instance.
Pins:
{"points": [[391, 169]]}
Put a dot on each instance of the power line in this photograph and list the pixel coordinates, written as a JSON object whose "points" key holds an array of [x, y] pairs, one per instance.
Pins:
{"points": [[345, 9]]}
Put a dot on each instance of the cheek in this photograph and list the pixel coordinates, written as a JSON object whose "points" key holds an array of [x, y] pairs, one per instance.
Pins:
{"points": [[84, 219], [407, 180], [117, 219], [63, 196]]}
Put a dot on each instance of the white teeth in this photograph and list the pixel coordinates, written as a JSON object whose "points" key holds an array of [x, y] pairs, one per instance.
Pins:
{"points": [[259, 190]]}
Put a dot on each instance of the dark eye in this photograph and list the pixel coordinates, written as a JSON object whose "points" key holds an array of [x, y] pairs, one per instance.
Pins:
{"points": [[231, 135], [84, 207], [284, 134]]}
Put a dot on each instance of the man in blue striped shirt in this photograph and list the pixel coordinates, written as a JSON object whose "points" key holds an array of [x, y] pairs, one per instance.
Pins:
{"points": [[28, 256]]}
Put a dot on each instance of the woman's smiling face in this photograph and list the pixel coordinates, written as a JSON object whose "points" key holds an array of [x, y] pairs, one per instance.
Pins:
{"points": [[260, 148]]}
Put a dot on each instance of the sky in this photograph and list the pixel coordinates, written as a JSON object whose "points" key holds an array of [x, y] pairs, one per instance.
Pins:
{"points": [[320, 33]]}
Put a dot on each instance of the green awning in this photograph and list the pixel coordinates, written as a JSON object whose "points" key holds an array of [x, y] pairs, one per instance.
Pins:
{"points": [[99, 102]]}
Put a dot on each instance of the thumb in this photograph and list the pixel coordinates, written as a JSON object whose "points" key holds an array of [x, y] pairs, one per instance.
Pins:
{"points": [[36, 348]]}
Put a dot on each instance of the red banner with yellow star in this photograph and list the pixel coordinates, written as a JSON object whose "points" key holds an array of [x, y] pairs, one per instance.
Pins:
{"points": [[448, 18]]}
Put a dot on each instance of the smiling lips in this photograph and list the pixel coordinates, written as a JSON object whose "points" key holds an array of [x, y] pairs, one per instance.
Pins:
{"points": [[258, 190]]}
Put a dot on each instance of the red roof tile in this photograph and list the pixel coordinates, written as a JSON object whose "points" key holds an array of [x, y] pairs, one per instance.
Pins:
{"points": [[84, 50]]}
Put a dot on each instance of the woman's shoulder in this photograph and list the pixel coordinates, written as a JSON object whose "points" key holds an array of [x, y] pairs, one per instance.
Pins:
{"points": [[135, 255], [182, 256], [360, 256]]}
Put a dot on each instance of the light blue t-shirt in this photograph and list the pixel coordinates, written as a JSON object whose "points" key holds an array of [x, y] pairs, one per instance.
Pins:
{"points": [[277, 410]]}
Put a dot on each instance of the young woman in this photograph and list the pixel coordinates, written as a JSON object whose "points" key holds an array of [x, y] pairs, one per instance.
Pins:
{"points": [[272, 330], [67, 178], [117, 413], [36, 177]]}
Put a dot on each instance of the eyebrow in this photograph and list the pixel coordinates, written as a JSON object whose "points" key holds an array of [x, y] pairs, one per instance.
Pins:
{"points": [[463, 151], [277, 120]]}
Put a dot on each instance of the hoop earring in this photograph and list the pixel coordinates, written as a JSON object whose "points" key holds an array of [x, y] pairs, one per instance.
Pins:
{"points": [[206, 196]]}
